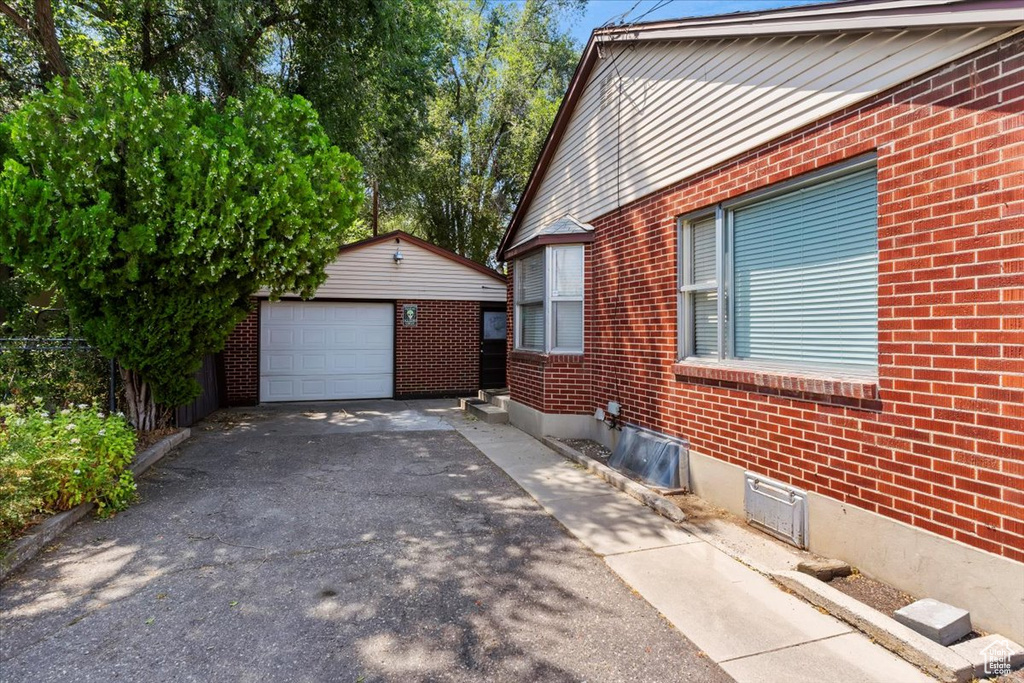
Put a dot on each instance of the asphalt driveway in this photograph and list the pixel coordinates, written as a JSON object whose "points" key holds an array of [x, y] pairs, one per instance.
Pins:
{"points": [[341, 542]]}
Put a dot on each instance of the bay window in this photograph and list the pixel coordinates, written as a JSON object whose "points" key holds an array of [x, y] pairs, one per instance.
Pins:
{"points": [[549, 300]]}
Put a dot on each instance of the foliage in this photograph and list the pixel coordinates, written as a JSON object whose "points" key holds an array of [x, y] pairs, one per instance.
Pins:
{"points": [[368, 66], [59, 376], [508, 68], [53, 463], [32, 364], [158, 216]]}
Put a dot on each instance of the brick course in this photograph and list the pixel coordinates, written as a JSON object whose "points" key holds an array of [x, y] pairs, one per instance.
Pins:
{"points": [[440, 356], [242, 361], [939, 442]]}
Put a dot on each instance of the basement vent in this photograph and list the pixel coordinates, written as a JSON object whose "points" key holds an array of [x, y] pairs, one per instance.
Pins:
{"points": [[656, 459], [776, 508]]}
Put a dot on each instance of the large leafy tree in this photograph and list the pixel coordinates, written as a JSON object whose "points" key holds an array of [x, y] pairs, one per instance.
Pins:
{"points": [[507, 68], [158, 216], [368, 66]]}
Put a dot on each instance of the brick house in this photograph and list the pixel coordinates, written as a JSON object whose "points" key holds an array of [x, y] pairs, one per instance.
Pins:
{"points": [[795, 238], [398, 317]]}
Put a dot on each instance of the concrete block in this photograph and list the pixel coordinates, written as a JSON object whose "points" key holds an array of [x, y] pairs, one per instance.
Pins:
{"points": [[936, 620], [824, 569], [992, 655]]}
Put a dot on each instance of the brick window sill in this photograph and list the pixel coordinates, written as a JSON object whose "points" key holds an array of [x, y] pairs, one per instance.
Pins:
{"points": [[541, 358], [815, 385]]}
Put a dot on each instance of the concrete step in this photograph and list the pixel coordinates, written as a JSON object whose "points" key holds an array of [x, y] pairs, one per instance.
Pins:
{"points": [[483, 411], [496, 397]]}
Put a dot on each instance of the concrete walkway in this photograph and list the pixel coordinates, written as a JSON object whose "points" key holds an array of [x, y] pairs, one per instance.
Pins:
{"points": [[738, 617]]}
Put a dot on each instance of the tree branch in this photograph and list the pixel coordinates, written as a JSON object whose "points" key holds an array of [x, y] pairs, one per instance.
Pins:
{"points": [[46, 35], [19, 21]]}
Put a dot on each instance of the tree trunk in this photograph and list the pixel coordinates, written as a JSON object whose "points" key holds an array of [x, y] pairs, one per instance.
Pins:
{"points": [[142, 409], [46, 35]]}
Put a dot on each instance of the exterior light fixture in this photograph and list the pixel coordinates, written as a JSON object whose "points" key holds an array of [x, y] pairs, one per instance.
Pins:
{"points": [[398, 252]]}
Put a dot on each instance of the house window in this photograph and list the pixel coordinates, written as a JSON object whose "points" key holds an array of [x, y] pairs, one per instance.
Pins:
{"points": [[786, 278], [549, 300]]}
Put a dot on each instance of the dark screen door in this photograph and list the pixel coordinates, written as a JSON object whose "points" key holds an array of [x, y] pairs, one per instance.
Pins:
{"points": [[492, 346]]}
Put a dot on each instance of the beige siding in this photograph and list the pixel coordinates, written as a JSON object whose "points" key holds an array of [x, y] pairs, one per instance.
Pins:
{"points": [[655, 113], [370, 272]]}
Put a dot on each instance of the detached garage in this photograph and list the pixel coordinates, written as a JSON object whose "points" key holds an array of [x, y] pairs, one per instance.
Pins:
{"points": [[397, 317]]}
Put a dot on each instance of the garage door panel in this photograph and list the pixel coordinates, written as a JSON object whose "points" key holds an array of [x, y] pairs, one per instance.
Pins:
{"points": [[274, 313], [323, 351], [278, 363], [312, 337], [280, 338]]}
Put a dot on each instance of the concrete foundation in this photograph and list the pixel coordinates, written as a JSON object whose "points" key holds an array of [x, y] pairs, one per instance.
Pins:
{"points": [[916, 561]]}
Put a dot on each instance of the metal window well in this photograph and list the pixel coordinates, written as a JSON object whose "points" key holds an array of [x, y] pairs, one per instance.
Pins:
{"points": [[656, 459], [776, 508]]}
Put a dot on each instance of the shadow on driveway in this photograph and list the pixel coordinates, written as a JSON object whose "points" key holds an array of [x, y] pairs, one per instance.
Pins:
{"points": [[343, 542]]}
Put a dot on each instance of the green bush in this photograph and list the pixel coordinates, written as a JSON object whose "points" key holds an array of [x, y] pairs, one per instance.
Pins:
{"points": [[50, 463], [60, 376]]}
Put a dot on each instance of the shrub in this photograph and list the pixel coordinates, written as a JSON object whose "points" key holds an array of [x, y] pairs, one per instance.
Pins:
{"points": [[50, 463], [61, 376]]}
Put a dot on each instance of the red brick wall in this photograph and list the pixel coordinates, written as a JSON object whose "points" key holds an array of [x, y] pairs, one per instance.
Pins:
{"points": [[440, 356], [242, 361], [939, 443]]}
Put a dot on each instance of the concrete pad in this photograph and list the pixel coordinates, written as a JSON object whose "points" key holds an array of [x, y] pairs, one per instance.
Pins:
{"points": [[991, 655], [726, 609], [337, 417], [611, 523], [553, 482], [945, 624], [848, 658]]}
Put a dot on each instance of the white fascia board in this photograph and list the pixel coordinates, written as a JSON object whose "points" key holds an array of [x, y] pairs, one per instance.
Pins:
{"points": [[856, 17]]}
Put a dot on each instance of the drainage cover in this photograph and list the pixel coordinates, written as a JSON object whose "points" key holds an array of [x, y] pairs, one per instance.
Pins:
{"points": [[656, 459], [776, 508]]}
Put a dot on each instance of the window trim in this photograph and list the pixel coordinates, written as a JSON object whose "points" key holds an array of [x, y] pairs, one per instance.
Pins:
{"points": [[724, 248], [549, 299]]}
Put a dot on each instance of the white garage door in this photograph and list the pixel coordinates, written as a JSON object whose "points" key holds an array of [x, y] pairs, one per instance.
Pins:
{"points": [[320, 351]]}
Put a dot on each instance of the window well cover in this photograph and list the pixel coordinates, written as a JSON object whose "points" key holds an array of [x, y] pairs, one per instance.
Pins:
{"points": [[657, 459]]}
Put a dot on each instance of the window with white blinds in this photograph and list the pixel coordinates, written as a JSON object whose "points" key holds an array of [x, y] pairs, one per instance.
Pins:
{"points": [[549, 300], [530, 302], [790, 279]]}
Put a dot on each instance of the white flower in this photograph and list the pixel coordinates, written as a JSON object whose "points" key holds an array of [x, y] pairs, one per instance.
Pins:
{"points": [[65, 412], [78, 471], [44, 414], [75, 441], [103, 432], [120, 414], [100, 415], [70, 426], [83, 406], [37, 399]]}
